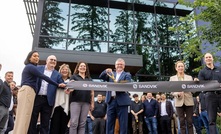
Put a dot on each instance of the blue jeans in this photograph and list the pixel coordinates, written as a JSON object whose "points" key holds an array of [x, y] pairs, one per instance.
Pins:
{"points": [[151, 124], [196, 123], [89, 126], [204, 118]]}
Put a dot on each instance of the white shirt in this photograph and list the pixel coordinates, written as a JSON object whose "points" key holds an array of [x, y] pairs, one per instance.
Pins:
{"points": [[44, 84], [163, 109], [113, 93]]}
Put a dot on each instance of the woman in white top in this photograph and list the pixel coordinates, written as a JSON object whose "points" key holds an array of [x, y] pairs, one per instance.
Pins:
{"points": [[60, 115]]}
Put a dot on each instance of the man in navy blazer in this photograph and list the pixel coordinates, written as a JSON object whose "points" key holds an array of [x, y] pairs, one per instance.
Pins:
{"points": [[117, 102], [45, 97]]}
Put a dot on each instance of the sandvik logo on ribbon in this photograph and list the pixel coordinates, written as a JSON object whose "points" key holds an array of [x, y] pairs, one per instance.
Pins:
{"points": [[84, 85], [183, 86], [135, 86]]}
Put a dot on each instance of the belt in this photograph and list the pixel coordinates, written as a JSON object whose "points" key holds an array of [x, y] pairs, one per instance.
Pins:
{"points": [[165, 116], [43, 96]]}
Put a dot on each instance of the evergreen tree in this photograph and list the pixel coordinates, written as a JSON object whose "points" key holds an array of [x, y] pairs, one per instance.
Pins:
{"points": [[91, 23], [51, 25]]}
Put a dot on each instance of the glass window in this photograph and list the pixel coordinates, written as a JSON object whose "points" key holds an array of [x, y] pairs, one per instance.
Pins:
{"points": [[121, 25], [168, 57], [54, 19], [87, 45], [166, 37], [144, 28], [53, 43], [122, 48], [88, 22]]}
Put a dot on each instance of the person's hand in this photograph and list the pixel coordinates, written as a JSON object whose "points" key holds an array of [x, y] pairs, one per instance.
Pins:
{"points": [[180, 94], [92, 117], [109, 70], [194, 114], [62, 85], [219, 114], [68, 91], [105, 117], [136, 117], [196, 79]]}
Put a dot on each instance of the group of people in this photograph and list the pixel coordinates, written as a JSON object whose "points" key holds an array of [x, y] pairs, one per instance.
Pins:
{"points": [[43, 96]]}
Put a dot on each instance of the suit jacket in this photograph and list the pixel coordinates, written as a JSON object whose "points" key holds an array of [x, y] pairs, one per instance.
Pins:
{"points": [[121, 97], [169, 108], [187, 99], [51, 91]]}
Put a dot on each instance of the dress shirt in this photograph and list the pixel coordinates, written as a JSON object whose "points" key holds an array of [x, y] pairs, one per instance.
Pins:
{"points": [[44, 84], [113, 93], [163, 109]]}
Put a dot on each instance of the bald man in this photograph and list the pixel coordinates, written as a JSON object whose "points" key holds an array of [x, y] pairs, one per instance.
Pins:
{"points": [[45, 97], [212, 98]]}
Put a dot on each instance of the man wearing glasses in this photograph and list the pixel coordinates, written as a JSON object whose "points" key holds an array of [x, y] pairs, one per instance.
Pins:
{"points": [[45, 97]]}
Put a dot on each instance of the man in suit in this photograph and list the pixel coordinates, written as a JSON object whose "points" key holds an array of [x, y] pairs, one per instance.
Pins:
{"points": [[45, 97], [166, 114], [117, 102]]}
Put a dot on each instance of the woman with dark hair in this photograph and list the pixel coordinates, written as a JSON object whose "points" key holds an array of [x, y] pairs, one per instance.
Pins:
{"points": [[27, 92], [80, 101]]}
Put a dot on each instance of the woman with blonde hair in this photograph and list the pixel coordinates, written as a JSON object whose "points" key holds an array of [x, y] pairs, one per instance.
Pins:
{"points": [[183, 100], [60, 114]]}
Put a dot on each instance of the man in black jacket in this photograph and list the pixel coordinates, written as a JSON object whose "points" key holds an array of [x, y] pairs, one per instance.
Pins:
{"points": [[166, 114], [5, 100]]}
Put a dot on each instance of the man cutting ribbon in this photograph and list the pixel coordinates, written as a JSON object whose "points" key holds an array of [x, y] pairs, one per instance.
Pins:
{"points": [[117, 102]]}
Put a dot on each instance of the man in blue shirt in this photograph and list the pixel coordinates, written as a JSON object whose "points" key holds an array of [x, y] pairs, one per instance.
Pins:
{"points": [[150, 113]]}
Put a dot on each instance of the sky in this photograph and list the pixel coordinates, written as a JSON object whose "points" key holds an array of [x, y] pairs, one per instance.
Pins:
{"points": [[15, 37]]}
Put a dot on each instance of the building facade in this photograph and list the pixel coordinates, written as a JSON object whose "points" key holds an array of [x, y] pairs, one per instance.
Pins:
{"points": [[100, 31]]}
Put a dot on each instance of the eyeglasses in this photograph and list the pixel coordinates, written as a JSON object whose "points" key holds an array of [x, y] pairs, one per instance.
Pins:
{"points": [[53, 60]]}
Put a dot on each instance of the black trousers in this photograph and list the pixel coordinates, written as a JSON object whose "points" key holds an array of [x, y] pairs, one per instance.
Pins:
{"points": [[41, 107], [185, 114], [213, 101], [98, 126], [165, 125], [59, 121]]}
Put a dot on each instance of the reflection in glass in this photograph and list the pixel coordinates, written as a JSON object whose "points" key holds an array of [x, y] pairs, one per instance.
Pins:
{"points": [[121, 29], [166, 36], [150, 61], [83, 45], [88, 22], [145, 2], [122, 48], [54, 19], [143, 78], [144, 33], [168, 57], [122, 25], [58, 43]]}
